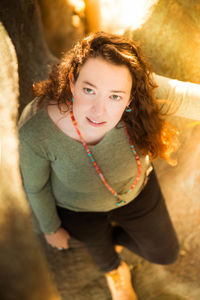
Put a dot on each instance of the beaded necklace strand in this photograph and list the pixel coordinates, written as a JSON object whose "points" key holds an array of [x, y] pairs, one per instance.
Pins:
{"points": [[119, 201]]}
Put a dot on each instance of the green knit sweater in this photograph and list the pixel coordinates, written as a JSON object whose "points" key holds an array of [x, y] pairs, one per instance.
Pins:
{"points": [[56, 169]]}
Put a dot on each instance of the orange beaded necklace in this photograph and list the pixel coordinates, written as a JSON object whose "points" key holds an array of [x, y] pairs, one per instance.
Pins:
{"points": [[119, 201]]}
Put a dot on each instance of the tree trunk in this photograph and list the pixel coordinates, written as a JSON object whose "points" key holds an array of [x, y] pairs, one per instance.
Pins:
{"points": [[23, 23], [171, 39], [93, 15], [59, 28], [24, 273]]}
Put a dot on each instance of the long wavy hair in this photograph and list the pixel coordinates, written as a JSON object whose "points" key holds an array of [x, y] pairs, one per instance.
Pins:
{"points": [[145, 123]]}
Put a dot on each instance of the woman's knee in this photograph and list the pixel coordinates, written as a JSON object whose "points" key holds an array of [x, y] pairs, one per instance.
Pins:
{"points": [[104, 255], [166, 257]]}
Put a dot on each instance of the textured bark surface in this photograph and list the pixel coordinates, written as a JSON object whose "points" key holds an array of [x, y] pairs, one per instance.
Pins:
{"points": [[59, 28], [93, 15], [23, 24], [23, 269], [171, 39]]}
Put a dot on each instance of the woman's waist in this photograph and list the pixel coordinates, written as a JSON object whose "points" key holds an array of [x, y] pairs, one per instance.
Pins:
{"points": [[100, 199]]}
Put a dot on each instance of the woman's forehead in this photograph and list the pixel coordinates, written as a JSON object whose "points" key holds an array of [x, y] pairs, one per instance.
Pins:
{"points": [[101, 70]]}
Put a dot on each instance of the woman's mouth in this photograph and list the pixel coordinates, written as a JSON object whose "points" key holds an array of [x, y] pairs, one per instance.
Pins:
{"points": [[95, 123]]}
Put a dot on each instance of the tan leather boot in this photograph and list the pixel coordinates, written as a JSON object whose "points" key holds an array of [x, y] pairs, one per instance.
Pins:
{"points": [[119, 283]]}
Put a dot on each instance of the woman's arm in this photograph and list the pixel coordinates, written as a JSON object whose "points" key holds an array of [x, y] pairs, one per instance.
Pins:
{"points": [[35, 172], [183, 97]]}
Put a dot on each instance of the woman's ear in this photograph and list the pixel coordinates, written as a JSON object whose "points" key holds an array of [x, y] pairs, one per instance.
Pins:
{"points": [[71, 82]]}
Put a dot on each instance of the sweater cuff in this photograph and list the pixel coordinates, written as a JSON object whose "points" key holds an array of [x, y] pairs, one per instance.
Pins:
{"points": [[52, 227]]}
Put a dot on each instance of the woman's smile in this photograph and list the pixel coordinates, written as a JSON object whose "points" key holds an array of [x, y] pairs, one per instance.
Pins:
{"points": [[95, 123]]}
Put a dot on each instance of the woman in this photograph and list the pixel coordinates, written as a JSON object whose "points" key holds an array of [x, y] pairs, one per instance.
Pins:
{"points": [[86, 145]]}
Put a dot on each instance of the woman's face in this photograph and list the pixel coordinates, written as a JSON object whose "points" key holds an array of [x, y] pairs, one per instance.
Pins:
{"points": [[101, 94]]}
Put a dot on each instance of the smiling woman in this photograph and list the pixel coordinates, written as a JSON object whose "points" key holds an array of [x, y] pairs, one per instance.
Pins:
{"points": [[146, 128], [101, 93], [86, 146]]}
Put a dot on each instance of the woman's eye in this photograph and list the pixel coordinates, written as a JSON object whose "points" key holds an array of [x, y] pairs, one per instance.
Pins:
{"points": [[115, 97], [88, 91]]}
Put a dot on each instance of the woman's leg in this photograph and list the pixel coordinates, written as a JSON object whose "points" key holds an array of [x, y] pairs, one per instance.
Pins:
{"points": [[95, 232], [145, 226]]}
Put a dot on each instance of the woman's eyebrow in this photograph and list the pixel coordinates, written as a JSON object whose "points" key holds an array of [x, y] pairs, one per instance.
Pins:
{"points": [[112, 91], [87, 82], [116, 91]]}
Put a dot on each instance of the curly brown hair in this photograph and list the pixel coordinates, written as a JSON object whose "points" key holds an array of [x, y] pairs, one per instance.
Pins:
{"points": [[145, 123]]}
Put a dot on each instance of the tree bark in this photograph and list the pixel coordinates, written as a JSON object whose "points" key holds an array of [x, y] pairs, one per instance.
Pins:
{"points": [[23, 23], [23, 269], [60, 32], [93, 15], [171, 39]]}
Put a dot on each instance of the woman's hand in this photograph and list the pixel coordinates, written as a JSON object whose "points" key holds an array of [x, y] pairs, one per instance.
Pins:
{"points": [[58, 239]]}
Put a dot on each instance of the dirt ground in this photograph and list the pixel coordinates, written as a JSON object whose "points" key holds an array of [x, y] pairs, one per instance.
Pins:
{"points": [[78, 278]]}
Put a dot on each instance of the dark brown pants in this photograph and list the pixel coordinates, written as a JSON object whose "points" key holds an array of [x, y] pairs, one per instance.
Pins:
{"points": [[143, 226]]}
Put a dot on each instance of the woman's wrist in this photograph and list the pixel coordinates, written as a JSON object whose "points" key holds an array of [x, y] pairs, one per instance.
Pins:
{"points": [[53, 232]]}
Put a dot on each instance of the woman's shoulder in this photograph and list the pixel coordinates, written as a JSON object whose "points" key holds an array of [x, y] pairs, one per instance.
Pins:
{"points": [[29, 113], [32, 123]]}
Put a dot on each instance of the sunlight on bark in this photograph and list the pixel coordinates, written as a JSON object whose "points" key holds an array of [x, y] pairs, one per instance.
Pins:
{"points": [[118, 15]]}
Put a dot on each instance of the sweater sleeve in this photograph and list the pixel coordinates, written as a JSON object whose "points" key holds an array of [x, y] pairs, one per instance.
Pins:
{"points": [[182, 98], [35, 171]]}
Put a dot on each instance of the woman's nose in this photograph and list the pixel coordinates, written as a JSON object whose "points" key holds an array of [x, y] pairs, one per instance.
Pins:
{"points": [[99, 106]]}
